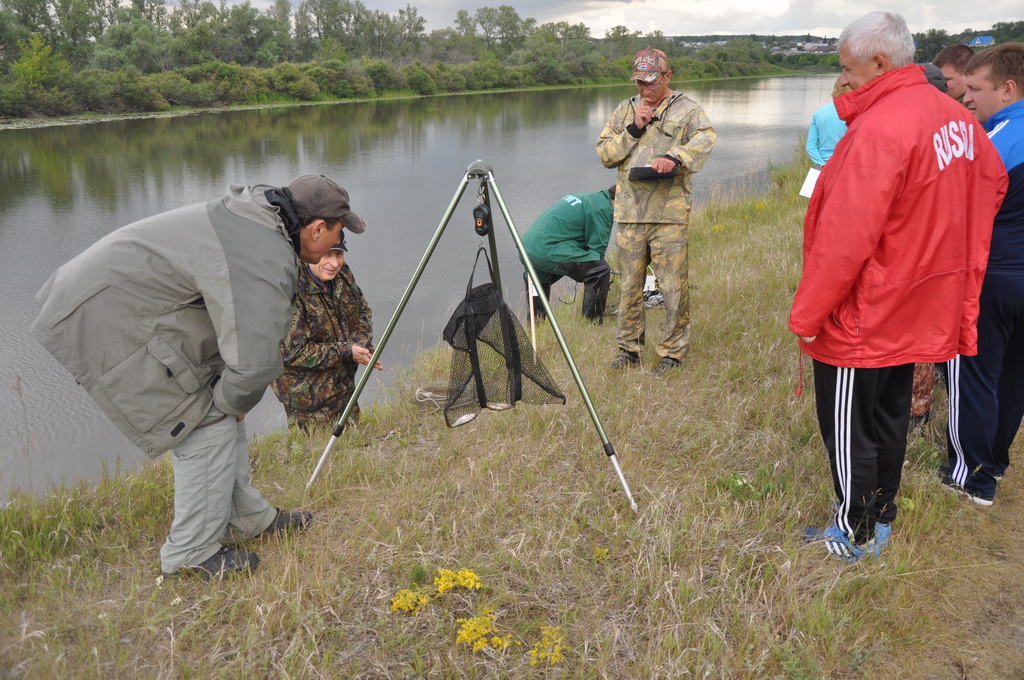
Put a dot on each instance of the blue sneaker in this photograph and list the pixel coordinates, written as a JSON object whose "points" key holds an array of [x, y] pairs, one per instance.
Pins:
{"points": [[882, 533], [838, 544]]}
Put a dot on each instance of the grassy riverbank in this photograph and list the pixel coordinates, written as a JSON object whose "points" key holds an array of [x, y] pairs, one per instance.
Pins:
{"points": [[708, 579]]}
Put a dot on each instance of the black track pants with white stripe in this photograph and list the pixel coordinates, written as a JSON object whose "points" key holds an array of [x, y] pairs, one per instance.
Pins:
{"points": [[986, 392], [863, 414]]}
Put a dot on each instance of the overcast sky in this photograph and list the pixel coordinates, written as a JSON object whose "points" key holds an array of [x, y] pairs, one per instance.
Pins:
{"points": [[696, 17]]}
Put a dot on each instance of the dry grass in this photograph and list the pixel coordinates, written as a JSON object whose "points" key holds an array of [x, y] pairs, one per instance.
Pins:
{"points": [[708, 580]]}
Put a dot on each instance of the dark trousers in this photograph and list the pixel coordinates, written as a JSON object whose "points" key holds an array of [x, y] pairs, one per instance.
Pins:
{"points": [[863, 415], [986, 391], [595, 277]]}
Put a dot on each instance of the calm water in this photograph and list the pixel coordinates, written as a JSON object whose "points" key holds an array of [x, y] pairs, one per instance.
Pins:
{"points": [[402, 161]]}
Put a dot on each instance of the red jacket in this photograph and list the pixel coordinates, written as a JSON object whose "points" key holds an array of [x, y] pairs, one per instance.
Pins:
{"points": [[897, 232]]}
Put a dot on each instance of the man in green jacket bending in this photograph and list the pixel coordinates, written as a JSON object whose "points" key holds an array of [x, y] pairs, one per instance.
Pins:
{"points": [[570, 239], [173, 326]]}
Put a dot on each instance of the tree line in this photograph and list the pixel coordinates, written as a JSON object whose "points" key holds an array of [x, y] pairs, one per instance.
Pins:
{"points": [[60, 57]]}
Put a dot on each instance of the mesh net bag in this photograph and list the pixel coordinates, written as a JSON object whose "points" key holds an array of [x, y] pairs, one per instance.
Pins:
{"points": [[493, 363]]}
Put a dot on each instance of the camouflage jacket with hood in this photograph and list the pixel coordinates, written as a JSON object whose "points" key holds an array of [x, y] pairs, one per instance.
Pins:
{"points": [[319, 371], [681, 130]]}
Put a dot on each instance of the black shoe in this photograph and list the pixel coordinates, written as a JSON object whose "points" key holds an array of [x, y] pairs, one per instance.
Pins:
{"points": [[625, 359], [224, 562], [664, 366], [976, 495], [979, 497], [286, 522], [947, 481], [538, 310]]}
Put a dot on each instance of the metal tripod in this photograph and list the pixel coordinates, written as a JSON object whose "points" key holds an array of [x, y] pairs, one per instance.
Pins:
{"points": [[483, 173]]}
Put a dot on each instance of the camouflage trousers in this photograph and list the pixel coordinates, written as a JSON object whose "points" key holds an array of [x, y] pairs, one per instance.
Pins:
{"points": [[324, 419], [664, 248]]}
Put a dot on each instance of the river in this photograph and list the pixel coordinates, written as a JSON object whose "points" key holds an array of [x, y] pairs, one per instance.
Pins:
{"points": [[401, 160]]}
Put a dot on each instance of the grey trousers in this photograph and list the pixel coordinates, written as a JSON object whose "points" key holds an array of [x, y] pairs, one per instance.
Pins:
{"points": [[213, 500]]}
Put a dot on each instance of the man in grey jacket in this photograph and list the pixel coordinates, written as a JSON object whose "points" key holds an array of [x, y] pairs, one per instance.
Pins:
{"points": [[172, 325]]}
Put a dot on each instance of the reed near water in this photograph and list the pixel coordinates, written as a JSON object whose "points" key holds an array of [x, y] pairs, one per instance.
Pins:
{"points": [[505, 548]]}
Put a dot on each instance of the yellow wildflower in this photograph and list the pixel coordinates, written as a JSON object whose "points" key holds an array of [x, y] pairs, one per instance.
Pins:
{"points": [[600, 554], [410, 601], [717, 227], [474, 633], [463, 578], [501, 643], [760, 205], [549, 649]]}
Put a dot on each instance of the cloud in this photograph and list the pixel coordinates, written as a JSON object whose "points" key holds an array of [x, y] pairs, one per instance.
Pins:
{"points": [[725, 17]]}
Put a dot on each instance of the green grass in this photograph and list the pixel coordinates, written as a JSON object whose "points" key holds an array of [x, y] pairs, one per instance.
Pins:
{"points": [[708, 579]]}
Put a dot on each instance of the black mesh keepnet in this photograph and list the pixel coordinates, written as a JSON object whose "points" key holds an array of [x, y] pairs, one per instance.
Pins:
{"points": [[493, 363]]}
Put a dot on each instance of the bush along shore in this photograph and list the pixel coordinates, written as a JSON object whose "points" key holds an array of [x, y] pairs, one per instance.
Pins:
{"points": [[505, 548], [43, 83]]}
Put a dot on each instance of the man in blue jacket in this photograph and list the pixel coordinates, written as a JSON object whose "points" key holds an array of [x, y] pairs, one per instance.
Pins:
{"points": [[986, 391], [570, 239]]}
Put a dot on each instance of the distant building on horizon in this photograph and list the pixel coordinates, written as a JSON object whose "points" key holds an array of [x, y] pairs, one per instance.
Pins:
{"points": [[820, 47], [981, 41]]}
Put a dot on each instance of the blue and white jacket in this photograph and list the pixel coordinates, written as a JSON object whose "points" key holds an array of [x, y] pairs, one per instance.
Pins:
{"points": [[1006, 130]]}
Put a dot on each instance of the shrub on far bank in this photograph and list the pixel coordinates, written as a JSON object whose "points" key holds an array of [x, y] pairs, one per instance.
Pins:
{"points": [[382, 74], [177, 90], [93, 90], [419, 79], [288, 79], [13, 100], [448, 78], [339, 78], [225, 83]]}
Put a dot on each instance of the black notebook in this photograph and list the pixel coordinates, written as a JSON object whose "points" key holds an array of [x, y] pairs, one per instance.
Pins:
{"points": [[647, 172]]}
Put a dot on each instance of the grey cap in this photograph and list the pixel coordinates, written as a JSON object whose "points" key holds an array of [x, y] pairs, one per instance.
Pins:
{"points": [[318, 196], [340, 245], [934, 75]]}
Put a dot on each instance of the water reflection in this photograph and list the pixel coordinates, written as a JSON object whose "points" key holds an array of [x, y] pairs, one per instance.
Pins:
{"points": [[65, 187]]}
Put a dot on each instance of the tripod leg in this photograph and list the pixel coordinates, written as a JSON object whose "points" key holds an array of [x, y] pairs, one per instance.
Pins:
{"points": [[608, 448]]}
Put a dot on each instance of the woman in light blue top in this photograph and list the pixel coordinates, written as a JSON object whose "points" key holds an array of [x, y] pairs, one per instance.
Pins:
{"points": [[826, 129]]}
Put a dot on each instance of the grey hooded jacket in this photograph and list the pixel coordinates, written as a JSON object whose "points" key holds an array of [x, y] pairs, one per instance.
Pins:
{"points": [[166, 316]]}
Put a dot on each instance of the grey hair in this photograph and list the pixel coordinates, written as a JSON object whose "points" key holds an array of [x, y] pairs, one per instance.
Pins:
{"points": [[879, 33]]}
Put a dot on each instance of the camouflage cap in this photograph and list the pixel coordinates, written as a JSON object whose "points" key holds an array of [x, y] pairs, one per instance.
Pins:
{"points": [[648, 64], [318, 196]]}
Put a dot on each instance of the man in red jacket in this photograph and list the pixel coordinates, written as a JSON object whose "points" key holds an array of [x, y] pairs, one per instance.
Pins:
{"points": [[896, 240]]}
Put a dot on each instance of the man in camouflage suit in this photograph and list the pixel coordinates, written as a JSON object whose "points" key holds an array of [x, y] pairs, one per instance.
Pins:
{"points": [[330, 334], [671, 135]]}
